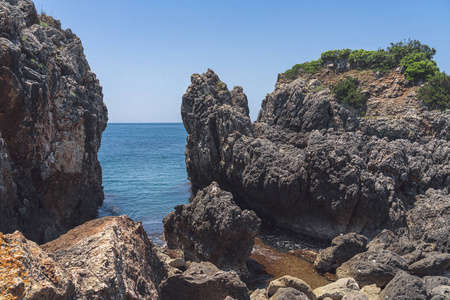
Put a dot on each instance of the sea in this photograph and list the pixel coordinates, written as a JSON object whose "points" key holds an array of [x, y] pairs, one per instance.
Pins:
{"points": [[144, 172], [144, 177]]}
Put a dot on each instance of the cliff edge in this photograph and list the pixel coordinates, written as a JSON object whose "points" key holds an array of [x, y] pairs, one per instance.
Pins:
{"points": [[52, 116]]}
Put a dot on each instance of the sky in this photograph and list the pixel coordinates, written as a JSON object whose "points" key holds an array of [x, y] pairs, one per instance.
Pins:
{"points": [[145, 51]]}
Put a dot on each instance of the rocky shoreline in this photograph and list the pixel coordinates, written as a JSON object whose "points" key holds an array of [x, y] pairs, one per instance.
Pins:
{"points": [[372, 181]]}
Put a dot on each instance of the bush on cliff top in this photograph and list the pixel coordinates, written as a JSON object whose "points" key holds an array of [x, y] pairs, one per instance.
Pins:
{"points": [[347, 91], [436, 92], [413, 55]]}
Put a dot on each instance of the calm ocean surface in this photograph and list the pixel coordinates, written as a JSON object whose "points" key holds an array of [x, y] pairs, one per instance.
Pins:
{"points": [[144, 172]]}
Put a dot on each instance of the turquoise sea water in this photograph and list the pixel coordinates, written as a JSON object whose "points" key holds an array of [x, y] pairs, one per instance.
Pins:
{"points": [[144, 172]]}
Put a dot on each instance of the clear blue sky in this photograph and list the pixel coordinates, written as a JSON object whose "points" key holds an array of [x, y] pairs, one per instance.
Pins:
{"points": [[144, 51]]}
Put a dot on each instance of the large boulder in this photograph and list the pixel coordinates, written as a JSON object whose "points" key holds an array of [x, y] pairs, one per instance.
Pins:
{"points": [[404, 286], [27, 272], [52, 116], [213, 228], [342, 249], [370, 267], [110, 258], [204, 281]]}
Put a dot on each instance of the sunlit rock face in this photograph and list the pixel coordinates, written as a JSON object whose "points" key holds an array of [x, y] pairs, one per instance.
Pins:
{"points": [[52, 116]]}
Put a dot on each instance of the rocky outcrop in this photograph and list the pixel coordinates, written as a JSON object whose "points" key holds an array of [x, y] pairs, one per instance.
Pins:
{"points": [[110, 258], [213, 228], [204, 281], [51, 119], [27, 272], [315, 166], [342, 249]]}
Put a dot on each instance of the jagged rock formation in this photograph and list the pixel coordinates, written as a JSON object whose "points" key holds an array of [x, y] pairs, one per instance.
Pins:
{"points": [[51, 119], [316, 166], [109, 258], [213, 228]]}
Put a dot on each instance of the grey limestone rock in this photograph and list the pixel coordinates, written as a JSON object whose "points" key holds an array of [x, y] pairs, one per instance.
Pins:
{"points": [[387, 240], [315, 166], [213, 228], [404, 286], [434, 281], [434, 263], [342, 248], [429, 220], [370, 267]]}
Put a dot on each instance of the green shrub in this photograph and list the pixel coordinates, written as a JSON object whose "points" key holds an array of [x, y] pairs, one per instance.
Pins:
{"points": [[418, 66], [401, 49], [413, 55], [333, 55], [436, 92], [43, 23], [307, 67], [347, 91]]}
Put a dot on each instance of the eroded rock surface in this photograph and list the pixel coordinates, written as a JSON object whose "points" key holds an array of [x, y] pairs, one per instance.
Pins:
{"points": [[342, 249], [213, 228], [51, 119], [317, 167], [110, 258], [370, 267], [404, 286]]}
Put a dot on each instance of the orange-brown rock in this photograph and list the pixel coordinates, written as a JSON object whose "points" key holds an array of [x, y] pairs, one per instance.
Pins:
{"points": [[28, 272]]}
